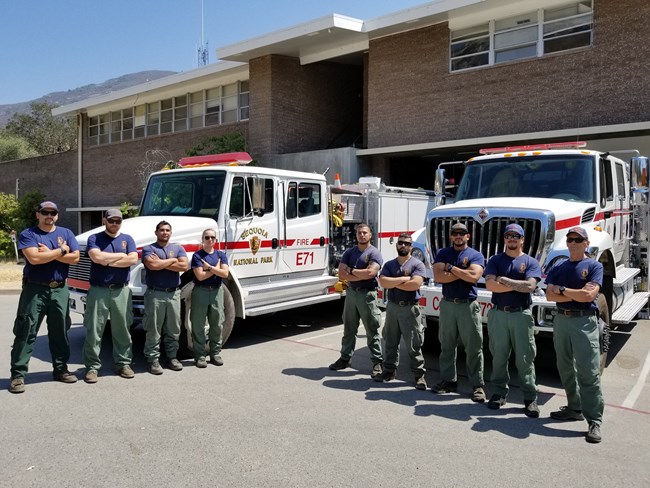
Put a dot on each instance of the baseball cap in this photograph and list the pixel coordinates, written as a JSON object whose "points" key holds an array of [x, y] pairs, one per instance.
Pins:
{"points": [[112, 212], [47, 204], [578, 230], [459, 227], [516, 228]]}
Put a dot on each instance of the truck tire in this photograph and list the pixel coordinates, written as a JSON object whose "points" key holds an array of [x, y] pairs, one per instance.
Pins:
{"points": [[186, 349], [604, 329]]}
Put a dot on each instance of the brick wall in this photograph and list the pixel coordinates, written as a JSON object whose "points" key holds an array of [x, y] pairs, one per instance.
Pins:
{"points": [[296, 108], [412, 97]]}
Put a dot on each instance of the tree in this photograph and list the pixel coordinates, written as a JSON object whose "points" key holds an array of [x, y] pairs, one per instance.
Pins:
{"points": [[13, 147], [16, 215], [44, 132], [233, 142]]}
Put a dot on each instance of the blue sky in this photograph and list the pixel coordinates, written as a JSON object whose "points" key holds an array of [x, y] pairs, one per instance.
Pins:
{"points": [[55, 45]]}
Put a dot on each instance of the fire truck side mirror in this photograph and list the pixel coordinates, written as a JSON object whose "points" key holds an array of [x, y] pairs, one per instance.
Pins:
{"points": [[639, 174], [439, 186]]}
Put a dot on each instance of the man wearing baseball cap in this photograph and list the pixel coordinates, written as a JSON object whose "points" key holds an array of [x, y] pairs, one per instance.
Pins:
{"points": [[574, 286], [49, 251], [112, 254], [512, 276], [459, 267]]}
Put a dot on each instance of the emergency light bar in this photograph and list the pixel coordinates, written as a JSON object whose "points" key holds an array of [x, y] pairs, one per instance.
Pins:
{"points": [[229, 159], [534, 147]]}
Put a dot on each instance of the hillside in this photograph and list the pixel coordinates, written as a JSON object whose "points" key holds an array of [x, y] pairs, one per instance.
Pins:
{"points": [[83, 92]]}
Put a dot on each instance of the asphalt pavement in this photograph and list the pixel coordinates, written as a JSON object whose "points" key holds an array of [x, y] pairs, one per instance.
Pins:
{"points": [[275, 416]]}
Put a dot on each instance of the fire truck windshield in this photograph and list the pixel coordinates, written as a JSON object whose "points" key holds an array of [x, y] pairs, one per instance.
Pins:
{"points": [[193, 193], [568, 178]]}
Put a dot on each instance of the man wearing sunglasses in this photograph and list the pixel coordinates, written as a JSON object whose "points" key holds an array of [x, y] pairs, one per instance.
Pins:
{"points": [[112, 254], [574, 286], [459, 267], [164, 261], [210, 268], [512, 276], [402, 277], [49, 251], [359, 266]]}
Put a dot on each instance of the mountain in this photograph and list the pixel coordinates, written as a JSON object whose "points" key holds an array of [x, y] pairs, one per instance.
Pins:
{"points": [[74, 95]]}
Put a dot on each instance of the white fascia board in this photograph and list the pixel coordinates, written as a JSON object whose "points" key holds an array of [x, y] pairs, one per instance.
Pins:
{"points": [[414, 14], [488, 10], [334, 51], [577, 133], [156, 88], [292, 33]]}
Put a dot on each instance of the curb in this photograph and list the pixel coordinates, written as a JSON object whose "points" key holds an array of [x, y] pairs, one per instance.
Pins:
{"points": [[10, 291]]}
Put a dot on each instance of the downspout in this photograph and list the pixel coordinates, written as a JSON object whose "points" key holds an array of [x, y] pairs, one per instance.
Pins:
{"points": [[79, 160]]}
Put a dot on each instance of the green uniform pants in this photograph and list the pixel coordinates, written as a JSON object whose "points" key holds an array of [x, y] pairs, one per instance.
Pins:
{"points": [[162, 320], [103, 304], [36, 302], [403, 321], [577, 348], [461, 320], [361, 305], [207, 303], [512, 332]]}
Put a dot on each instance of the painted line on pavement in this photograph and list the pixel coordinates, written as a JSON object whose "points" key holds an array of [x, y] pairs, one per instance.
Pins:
{"points": [[338, 332], [633, 396]]}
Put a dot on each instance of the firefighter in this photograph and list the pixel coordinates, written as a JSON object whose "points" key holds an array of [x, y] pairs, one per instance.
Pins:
{"points": [[359, 266], [574, 285], [459, 267], [402, 277], [512, 276]]}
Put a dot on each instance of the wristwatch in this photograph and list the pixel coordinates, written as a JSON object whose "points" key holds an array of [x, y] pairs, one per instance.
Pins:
{"points": [[63, 252], [561, 290], [448, 268]]}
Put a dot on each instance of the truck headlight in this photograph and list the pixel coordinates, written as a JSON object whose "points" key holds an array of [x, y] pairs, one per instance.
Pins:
{"points": [[418, 254]]}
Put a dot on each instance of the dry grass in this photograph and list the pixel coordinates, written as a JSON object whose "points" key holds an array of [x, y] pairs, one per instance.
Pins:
{"points": [[10, 275]]}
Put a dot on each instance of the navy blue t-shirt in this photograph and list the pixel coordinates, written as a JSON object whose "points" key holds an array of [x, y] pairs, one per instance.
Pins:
{"points": [[109, 275], [212, 260], [575, 275], [393, 269], [163, 278], [520, 268], [463, 260], [357, 259], [54, 270]]}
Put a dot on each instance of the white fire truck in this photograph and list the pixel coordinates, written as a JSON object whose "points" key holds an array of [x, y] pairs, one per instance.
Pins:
{"points": [[283, 231], [548, 189]]}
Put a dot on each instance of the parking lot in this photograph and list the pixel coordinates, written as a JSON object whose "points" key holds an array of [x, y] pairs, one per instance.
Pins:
{"points": [[275, 415]]}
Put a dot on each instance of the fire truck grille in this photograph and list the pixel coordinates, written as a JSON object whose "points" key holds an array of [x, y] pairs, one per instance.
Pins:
{"points": [[487, 238], [81, 270]]}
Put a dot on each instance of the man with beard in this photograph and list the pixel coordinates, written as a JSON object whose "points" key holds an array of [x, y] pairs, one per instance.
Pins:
{"points": [[359, 266], [49, 251], [162, 300], [402, 277], [512, 276], [459, 267]]}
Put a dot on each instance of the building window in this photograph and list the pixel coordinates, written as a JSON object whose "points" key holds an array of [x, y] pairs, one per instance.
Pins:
{"points": [[523, 36], [219, 105]]}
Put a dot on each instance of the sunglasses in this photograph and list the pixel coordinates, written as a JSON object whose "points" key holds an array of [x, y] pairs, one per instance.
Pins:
{"points": [[459, 233], [48, 212], [512, 236], [209, 238], [114, 221], [577, 240], [404, 243]]}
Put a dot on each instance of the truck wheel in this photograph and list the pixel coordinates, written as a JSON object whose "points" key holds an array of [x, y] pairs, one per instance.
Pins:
{"points": [[604, 329], [185, 340]]}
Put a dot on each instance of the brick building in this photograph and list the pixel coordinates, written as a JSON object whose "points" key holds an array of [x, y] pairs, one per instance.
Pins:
{"points": [[393, 96]]}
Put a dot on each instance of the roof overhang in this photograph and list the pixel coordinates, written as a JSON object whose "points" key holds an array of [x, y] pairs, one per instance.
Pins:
{"points": [[423, 148], [221, 73]]}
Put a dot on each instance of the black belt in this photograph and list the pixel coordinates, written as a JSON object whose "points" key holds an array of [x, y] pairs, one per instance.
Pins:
{"points": [[209, 287], [363, 289], [173, 288], [49, 284], [576, 313], [405, 303], [459, 300], [112, 286], [509, 309]]}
